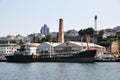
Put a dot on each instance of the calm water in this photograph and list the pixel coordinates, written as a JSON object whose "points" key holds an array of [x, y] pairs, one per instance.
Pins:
{"points": [[60, 71]]}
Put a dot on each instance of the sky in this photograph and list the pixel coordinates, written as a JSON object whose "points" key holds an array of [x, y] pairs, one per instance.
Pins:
{"points": [[28, 16]]}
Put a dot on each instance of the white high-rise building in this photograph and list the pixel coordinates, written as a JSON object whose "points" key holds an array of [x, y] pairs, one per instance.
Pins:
{"points": [[44, 30]]}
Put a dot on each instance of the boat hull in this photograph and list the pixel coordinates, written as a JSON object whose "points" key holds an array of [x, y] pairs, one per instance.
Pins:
{"points": [[86, 56]]}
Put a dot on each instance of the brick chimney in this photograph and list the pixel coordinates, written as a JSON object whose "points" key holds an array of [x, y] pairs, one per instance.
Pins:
{"points": [[61, 31]]}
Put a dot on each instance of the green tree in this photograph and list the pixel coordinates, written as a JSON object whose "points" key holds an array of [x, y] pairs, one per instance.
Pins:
{"points": [[13, 41], [82, 32], [101, 32], [44, 40], [118, 35], [105, 43], [21, 42], [86, 32], [3, 42], [100, 38], [89, 31]]}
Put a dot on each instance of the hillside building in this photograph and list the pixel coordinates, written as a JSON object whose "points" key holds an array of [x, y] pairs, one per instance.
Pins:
{"points": [[44, 30], [8, 48]]}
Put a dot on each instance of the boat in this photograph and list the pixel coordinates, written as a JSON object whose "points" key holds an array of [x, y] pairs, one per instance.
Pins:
{"points": [[83, 56]]}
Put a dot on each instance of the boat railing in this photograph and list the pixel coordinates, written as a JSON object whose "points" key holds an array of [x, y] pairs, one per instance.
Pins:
{"points": [[64, 54]]}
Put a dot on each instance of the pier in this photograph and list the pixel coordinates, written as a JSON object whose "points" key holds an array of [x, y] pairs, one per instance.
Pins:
{"points": [[107, 60]]}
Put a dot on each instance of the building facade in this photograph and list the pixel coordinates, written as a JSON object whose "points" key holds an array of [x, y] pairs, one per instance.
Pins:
{"points": [[115, 47], [72, 33], [116, 29], [44, 30], [75, 47], [34, 37], [109, 32], [31, 48], [46, 47], [8, 48]]}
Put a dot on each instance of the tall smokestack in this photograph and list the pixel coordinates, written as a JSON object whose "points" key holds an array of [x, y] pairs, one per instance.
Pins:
{"points": [[95, 22], [61, 31]]}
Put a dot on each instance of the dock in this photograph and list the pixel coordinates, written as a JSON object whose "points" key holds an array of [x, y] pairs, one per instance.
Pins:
{"points": [[107, 60]]}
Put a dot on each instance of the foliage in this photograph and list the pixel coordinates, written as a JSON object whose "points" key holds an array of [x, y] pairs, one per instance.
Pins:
{"points": [[12, 41], [107, 42], [101, 32], [88, 31], [6, 41], [44, 40], [3, 41], [104, 43], [118, 35], [21, 42], [82, 32]]}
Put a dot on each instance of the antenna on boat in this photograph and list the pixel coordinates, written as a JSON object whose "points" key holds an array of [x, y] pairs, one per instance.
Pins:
{"points": [[81, 43], [87, 41]]}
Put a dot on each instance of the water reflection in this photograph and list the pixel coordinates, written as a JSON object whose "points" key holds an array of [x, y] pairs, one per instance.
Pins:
{"points": [[59, 71]]}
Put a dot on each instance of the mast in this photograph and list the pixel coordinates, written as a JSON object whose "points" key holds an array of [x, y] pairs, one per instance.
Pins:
{"points": [[50, 49], [87, 42]]}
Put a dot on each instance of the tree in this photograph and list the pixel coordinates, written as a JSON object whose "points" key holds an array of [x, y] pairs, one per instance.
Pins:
{"points": [[88, 31], [85, 33], [105, 43], [12, 41], [101, 32], [21, 42], [3, 41], [100, 38], [118, 35], [44, 40], [81, 32]]}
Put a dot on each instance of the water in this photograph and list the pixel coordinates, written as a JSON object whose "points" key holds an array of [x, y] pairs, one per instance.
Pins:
{"points": [[60, 71]]}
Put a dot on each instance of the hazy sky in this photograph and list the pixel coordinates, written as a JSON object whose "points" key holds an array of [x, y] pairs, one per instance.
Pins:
{"points": [[27, 16]]}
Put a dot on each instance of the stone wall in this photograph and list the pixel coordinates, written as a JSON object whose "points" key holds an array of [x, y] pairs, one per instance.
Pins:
{"points": [[115, 47]]}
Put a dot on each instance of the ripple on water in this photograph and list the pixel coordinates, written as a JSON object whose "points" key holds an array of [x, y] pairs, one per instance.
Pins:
{"points": [[60, 71]]}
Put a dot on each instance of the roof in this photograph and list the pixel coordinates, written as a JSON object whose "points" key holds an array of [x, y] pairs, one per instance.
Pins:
{"points": [[32, 44], [85, 44], [8, 45], [53, 43]]}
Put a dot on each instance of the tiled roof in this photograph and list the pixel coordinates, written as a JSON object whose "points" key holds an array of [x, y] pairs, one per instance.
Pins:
{"points": [[32, 44]]}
